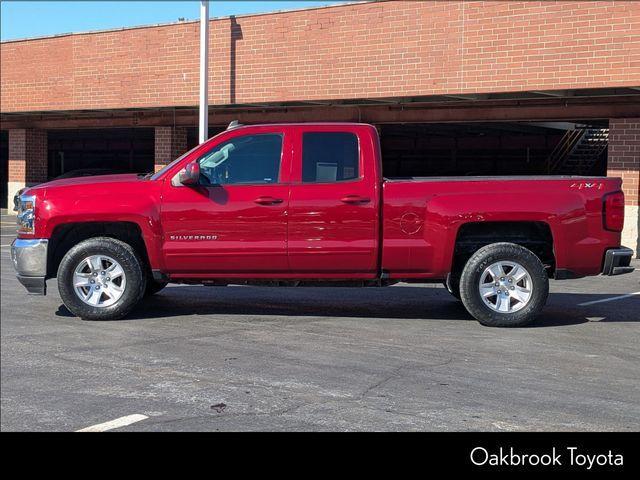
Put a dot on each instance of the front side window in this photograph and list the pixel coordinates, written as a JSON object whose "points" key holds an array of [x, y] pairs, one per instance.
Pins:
{"points": [[329, 157], [250, 159]]}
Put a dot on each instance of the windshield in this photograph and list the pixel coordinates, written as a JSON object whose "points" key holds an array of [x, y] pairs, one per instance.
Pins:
{"points": [[159, 173]]}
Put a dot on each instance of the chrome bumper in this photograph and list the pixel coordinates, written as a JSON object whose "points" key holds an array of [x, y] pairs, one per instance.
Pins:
{"points": [[30, 261], [617, 261]]}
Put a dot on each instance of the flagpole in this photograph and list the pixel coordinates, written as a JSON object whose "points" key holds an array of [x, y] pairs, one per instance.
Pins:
{"points": [[203, 124]]}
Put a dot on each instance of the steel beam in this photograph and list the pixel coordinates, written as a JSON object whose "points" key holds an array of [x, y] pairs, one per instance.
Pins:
{"points": [[541, 110]]}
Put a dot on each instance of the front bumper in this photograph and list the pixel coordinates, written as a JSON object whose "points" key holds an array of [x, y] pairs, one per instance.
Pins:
{"points": [[617, 261], [30, 261]]}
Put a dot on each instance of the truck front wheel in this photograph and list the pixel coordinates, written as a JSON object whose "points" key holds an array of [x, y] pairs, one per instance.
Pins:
{"points": [[504, 285], [101, 279]]}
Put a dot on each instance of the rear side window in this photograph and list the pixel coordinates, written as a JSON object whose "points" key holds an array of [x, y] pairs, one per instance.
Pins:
{"points": [[329, 157]]}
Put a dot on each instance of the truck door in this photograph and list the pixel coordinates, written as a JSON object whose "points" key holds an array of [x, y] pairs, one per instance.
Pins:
{"points": [[235, 220], [334, 202]]}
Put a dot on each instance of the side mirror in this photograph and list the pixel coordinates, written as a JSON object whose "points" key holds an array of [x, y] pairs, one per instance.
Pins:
{"points": [[191, 174]]}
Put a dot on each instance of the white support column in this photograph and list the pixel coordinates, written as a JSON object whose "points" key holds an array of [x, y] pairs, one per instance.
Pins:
{"points": [[203, 124]]}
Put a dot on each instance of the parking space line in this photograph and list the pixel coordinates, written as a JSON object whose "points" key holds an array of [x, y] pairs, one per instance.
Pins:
{"points": [[611, 299], [117, 423]]}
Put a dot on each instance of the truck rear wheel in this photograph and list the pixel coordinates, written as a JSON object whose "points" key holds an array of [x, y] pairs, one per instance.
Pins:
{"points": [[504, 285], [101, 279]]}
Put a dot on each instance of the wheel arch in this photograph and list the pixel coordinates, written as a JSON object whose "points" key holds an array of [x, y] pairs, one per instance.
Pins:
{"points": [[65, 236], [536, 236]]}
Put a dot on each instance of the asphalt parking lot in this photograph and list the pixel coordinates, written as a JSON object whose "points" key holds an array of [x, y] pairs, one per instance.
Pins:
{"points": [[407, 357]]}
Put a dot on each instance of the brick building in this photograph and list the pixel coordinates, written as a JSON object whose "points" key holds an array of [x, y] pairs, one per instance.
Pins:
{"points": [[455, 88]]}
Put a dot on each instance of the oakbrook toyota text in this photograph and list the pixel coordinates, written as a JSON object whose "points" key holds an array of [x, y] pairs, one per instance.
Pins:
{"points": [[309, 204], [572, 456]]}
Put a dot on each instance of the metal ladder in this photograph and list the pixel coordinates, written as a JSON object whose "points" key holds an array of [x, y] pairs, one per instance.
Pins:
{"points": [[578, 151]]}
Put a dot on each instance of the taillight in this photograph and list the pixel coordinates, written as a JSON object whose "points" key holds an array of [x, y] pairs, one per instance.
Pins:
{"points": [[613, 214]]}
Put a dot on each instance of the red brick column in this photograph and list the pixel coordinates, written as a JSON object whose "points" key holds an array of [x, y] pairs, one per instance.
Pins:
{"points": [[170, 143], [624, 161], [28, 163]]}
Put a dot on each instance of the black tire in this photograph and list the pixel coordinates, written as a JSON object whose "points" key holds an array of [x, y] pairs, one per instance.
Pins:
{"points": [[121, 252], [474, 269], [154, 287], [452, 284]]}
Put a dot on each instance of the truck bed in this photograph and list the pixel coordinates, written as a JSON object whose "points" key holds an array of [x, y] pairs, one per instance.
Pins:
{"points": [[480, 178], [422, 217]]}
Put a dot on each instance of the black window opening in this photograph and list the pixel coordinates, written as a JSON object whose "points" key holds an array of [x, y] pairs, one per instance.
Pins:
{"points": [[81, 152], [329, 157], [4, 167], [249, 159], [494, 148]]}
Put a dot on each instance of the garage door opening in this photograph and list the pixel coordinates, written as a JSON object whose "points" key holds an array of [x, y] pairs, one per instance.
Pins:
{"points": [[4, 167], [100, 151], [479, 149]]}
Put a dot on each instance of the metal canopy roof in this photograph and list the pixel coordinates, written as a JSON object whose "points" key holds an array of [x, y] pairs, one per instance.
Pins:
{"points": [[466, 98], [512, 106]]}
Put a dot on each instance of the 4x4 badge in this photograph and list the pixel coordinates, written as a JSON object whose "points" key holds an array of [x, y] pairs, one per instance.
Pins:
{"points": [[581, 185]]}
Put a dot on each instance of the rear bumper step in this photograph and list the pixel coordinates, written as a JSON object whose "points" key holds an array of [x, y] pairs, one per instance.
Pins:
{"points": [[617, 261]]}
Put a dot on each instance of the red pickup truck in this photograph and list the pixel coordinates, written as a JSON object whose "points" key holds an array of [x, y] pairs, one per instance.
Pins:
{"points": [[298, 204]]}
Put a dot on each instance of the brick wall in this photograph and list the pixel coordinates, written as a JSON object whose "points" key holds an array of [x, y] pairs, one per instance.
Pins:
{"points": [[17, 155], [624, 161], [170, 143], [624, 156], [365, 50], [28, 156]]}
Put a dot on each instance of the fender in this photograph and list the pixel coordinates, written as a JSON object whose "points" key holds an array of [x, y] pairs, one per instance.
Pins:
{"points": [[137, 203], [445, 214], [427, 249]]}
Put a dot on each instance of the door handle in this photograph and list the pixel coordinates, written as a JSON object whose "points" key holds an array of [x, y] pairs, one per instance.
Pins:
{"points": [[354, 199], [267, 200]]}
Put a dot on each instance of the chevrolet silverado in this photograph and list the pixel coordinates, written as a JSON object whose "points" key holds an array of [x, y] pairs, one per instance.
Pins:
{"points": [[308, 204]]}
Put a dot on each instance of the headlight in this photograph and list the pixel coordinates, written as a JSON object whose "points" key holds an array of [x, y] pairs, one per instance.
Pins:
{"points": [[26, 213]]}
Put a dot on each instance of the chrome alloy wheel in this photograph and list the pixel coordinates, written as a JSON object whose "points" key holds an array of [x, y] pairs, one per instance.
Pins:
{"points": [[99, 281], [505, 287]]}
